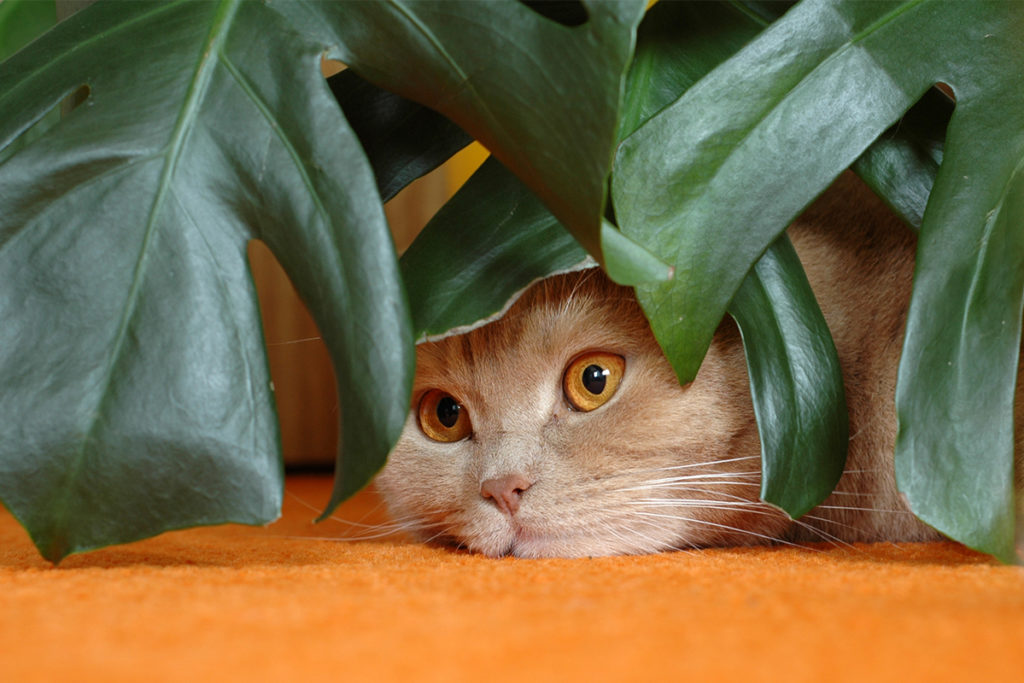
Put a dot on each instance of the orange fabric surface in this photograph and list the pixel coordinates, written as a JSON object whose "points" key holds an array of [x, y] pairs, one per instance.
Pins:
{"points": [[267, 604]]}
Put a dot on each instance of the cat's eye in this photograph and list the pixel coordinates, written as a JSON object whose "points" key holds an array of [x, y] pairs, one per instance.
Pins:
{"points": [[591, 379], [443, 418]]}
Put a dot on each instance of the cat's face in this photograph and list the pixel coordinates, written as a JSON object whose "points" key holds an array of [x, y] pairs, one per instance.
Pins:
{"points": [[561, 430]]}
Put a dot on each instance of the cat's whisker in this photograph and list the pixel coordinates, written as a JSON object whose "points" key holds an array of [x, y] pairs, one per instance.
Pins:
{"points": [[826, 520], [702, 478], [353, 523], [365, 536], [694, 465], [829, 538], [691, 502], [404, 522], [708, 475], [708, 463], [391, 520], [834, 522], [394, 525], [732, 499], [297, 498], [446, 531], [852, 493], [656, 544], [638, 472], [628, 542], [688, 486], [861, 509], [724, 506], [706, 522], [372, 531], [750, 507], [721, 494], [419, 525], [304, 340]]}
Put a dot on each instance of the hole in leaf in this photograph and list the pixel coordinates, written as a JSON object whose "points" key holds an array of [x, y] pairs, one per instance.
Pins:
{"points": [[924, 124], [902, 164], [565, 12], [409, 211], [329, 67], [75, 99]]}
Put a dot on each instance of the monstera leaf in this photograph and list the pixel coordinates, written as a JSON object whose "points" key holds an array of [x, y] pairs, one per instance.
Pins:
{"points": [[135, 392], [506, 240], [737, 157], [477, 63], [135, 389]]}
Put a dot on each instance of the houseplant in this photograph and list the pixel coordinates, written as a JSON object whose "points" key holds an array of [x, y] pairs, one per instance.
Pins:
{"points": [[135, 393]]}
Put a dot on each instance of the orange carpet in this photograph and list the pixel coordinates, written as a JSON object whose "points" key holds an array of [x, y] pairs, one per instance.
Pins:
{"points": [[251, 604]]}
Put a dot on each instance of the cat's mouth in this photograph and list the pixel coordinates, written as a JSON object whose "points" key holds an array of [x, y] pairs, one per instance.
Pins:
{"points": [[520, 538], [518, 541], [530, 542]]}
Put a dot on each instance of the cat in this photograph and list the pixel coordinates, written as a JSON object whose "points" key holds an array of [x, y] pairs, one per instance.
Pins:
{"points": [[561, 430]]}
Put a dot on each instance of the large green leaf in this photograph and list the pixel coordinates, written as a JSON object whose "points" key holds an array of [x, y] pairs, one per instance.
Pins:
{"points": [[678, 43], [738, 156], [795, 381], [743, 151], [135, 394], [494, 237], [954, 453], [543, 97], [489, 242]]}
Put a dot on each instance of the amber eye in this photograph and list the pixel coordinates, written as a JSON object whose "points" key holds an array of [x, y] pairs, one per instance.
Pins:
{"points": [[443, 418], [591, 379]]}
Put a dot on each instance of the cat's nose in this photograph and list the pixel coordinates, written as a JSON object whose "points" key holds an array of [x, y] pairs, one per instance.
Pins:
{"points": [[506, 491]]}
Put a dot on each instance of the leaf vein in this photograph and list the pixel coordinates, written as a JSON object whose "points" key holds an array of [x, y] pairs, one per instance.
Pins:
{"points": [[200, 81]]}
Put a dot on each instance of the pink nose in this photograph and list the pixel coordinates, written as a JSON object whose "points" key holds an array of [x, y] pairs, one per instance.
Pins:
{"points": [[506, 491]]}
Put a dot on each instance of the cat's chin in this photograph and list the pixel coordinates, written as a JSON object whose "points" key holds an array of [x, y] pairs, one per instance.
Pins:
{"points": [[526, 543]]}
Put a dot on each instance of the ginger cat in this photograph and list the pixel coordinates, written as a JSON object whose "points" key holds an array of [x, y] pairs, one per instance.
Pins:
{"points": [[561, 430]]}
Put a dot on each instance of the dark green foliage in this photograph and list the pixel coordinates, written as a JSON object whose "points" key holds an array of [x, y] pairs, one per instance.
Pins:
{"points": [[134, 395]]}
